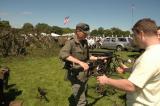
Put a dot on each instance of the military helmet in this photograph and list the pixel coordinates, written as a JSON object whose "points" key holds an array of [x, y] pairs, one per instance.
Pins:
{"points": [[83, 27]]}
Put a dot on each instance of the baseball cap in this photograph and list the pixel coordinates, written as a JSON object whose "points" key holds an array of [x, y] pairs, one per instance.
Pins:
{"points": [[83, 27]]}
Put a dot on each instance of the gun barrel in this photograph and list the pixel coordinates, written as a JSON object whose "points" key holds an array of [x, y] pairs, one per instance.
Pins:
{"points": [[101, 53]]}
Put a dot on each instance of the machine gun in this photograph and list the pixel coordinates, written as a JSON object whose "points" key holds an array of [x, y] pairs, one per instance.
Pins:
{"points": [[105, 67], [108, 66], [100, 67]]}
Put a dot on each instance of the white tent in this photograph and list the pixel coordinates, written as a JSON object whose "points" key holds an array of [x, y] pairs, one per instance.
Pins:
{"points": [[68, 34], [55, 35]]}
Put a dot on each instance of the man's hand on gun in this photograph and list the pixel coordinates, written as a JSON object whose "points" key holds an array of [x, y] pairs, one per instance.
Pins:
{"points": [[102, 79], [98, 58], [122, 68], [84, 65], [102, 58]]}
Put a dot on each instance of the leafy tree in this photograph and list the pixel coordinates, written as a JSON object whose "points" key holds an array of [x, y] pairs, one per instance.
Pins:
{"points": [[94, 32], [107, 32], [100, 31], [42, 27], [67, 30], [57, 30], [28, 28], [116, 31], [4, 25], [126, 33]]}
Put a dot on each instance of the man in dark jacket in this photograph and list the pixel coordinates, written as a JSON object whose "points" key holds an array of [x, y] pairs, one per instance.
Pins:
{"points": [[76, 53]]}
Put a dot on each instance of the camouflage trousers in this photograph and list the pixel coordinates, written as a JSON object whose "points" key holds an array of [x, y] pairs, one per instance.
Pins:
{"points": [[79, 88]]}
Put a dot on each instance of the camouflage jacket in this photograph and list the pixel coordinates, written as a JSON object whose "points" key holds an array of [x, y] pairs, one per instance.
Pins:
{"points": [[75, 48]]}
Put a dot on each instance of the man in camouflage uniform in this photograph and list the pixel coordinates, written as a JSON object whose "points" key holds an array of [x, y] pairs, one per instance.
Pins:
{"points": [[76, 53]]}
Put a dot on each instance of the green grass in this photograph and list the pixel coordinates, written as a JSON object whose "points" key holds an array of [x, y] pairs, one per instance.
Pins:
{"points": [[30, 72]]}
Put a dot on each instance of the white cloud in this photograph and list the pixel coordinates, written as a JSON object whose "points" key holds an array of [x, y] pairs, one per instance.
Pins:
{"points": [[26, 13], [3, 13]]}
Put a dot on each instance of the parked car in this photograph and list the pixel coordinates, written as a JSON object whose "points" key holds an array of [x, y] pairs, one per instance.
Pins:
{"points": [[117, 43]]}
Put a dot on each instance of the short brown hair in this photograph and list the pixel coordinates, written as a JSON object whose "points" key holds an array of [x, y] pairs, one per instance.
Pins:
{"points": [[146, 25]]}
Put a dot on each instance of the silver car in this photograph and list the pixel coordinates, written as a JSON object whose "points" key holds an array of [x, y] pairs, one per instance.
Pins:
{"points": [[117, 43]]}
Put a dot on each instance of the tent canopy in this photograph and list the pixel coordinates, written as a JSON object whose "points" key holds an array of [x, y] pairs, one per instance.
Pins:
{"points": [[54, 34]]}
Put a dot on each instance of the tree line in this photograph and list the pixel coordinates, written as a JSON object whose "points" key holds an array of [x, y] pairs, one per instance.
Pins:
{"points": [[45, 28], [20, 41]]}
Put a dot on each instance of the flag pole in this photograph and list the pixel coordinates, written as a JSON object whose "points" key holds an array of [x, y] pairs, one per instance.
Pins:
{"points": [[132, 12]]}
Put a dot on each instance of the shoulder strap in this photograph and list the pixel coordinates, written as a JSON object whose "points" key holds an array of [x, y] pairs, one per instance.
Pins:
{"points": [[87, 49]]}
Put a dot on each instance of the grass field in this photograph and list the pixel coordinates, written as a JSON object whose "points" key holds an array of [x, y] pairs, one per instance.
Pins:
{"points": [[30, 72]]}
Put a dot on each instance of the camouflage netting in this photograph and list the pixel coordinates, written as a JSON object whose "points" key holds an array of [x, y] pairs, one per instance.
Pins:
{"points": [[15, 43]]}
